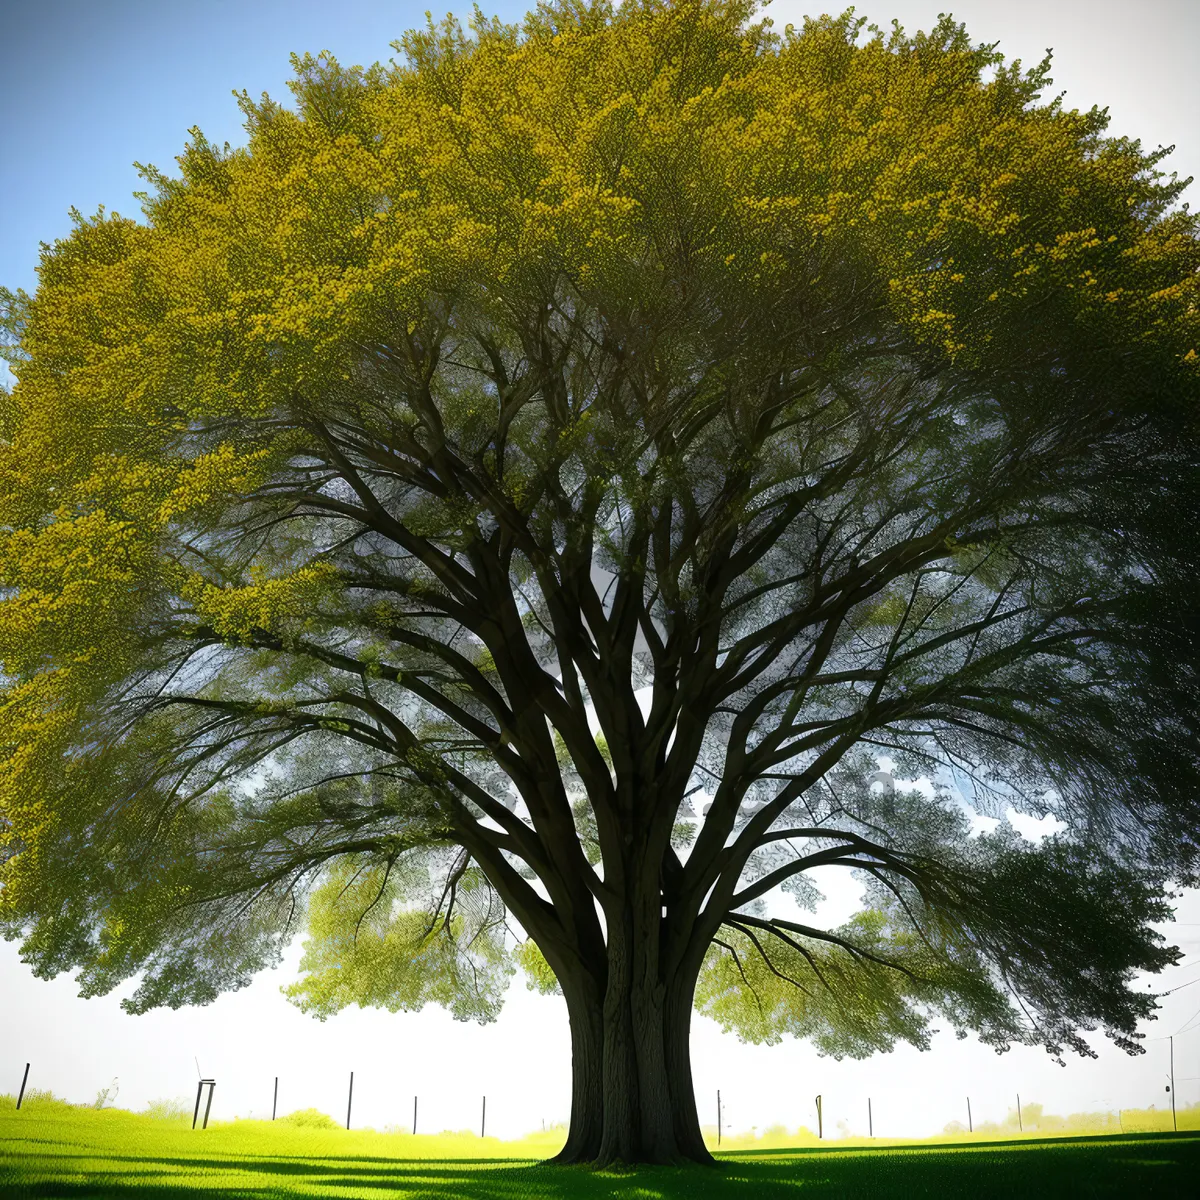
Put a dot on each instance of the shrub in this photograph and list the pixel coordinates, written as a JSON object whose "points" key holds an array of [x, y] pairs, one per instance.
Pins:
{"points": [[168, 1110], [43, 1098], [310, 1118]]}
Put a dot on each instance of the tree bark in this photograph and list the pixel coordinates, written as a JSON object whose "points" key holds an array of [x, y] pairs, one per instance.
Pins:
{"points": [[587, 1051], [632, 1099]]}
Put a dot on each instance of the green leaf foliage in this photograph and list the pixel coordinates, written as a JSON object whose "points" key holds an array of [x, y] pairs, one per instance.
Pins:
{"points": [[367, 947]]}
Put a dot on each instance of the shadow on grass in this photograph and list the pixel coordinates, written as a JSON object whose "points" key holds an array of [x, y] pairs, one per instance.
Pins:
{"points": [[1148, 1165]]}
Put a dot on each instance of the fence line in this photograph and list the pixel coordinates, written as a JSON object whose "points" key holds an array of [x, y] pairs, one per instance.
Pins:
{"points": [[1139, 1120]]}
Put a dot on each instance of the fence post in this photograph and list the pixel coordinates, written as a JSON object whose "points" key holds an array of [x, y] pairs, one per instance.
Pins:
{"points": [[483, 1119], [870, 1120], [350, 1100], [970, 1122], [414, 1116], [820, 1120], [718, 1116], [24, 1080], [275, 1099], [212, 1083], [1174, 1120]]}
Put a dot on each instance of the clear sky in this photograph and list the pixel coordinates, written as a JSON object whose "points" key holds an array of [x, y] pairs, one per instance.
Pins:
{"points": [[87, 89]]}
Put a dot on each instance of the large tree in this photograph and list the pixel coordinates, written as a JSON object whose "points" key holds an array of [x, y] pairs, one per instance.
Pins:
{"points": [[426, 510]]}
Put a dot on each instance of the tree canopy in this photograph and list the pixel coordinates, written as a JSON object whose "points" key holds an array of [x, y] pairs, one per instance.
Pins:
{"points": [[530, 487]]}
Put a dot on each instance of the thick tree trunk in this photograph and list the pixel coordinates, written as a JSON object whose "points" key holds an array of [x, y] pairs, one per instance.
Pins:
{"points": [[632, 1097], [587, 1053]]}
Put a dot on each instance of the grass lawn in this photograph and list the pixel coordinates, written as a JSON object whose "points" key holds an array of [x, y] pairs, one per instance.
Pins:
{"points": [[54, 1150]]}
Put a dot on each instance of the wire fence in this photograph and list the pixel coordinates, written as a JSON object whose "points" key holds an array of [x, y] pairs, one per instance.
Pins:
{"points": [[825, 1118]]}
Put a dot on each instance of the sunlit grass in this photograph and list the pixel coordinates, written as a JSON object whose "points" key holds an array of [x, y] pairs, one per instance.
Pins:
{"points": [[1034, 1124], [51, 1148]]}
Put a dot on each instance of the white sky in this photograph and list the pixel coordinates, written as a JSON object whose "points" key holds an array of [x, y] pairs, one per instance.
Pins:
{"points": [[1138, 58]]}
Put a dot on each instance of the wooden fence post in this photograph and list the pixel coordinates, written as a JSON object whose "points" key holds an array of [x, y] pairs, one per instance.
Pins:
{"points": [[1174, 1119], [212, 1083]]}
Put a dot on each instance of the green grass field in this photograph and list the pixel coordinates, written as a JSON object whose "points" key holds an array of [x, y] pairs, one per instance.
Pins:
{"points": [[52, 1149]]}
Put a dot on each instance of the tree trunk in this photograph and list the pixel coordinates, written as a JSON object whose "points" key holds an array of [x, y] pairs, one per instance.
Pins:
{"points": [[587, 1051], [632, 1099]]}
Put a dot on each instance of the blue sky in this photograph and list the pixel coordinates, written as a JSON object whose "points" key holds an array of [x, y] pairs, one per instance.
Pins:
{"points": [[87, 89]]}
